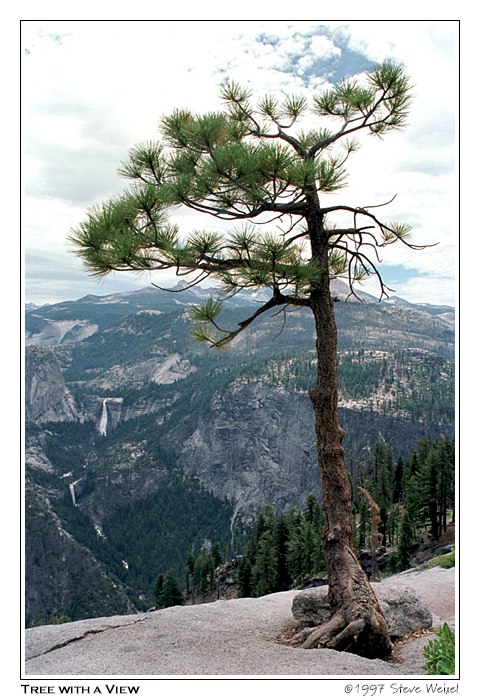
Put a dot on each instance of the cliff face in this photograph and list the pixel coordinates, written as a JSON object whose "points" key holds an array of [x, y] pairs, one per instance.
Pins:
{"points": [[46, 395], [255, 445]]}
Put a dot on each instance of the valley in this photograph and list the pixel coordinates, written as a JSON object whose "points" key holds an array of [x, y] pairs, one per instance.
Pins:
{"points": [[141, 445]]}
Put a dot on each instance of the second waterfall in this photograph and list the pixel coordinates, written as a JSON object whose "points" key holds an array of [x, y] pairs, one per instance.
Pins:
{"points": [[102, 428]]}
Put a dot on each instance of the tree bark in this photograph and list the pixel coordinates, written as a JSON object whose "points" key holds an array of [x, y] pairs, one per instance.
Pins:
{"points": [[357, 623]]}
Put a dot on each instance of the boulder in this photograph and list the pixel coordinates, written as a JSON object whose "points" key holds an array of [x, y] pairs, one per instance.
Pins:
{"points": [[404, 611]]}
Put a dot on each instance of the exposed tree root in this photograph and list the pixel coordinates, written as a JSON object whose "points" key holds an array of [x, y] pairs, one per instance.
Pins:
{"points": [[356, 637], [326, 636], [320, 635]]}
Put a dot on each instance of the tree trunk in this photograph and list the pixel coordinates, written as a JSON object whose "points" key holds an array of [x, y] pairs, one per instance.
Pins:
{"points": [[357, 623]]}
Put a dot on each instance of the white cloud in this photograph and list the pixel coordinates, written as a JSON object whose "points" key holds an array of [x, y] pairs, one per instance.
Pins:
{"points": [[323, 47]]}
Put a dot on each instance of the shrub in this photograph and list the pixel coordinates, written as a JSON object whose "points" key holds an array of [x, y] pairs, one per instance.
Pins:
{"points": [[56, 617], [439, 653], [446, 561]]}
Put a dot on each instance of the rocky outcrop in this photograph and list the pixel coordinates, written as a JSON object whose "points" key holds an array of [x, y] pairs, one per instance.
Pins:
{"points": [[35, 457], [225, 638], [46, 332], [46, 395], [404, 611], [161, 369]]}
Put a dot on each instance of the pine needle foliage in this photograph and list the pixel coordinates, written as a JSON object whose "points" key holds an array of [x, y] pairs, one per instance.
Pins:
{"points": [[250, 159]]}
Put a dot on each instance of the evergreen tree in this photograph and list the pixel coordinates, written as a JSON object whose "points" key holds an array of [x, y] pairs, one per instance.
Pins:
{"points": [[314, 516], [375, 538], [405, 542], [244, 575], [363, 516], [413, 465], [398, 481], [413, 504], [383, 490], [166, 590], [157, 590], [436, 480], [283, 579], [246, 163], [429, 492], [189, 574], [446, 458], [265, 568], [171, 593], [313, 511], [203, 571], [423, 449], [395, 514], [216, 554], [295, 555]]}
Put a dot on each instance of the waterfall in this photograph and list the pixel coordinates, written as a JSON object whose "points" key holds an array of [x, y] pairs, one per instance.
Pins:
{"points": [[72, 491], [102, 428]]}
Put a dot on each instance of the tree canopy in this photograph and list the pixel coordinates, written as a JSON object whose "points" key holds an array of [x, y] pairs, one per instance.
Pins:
{"points": [[258, 163]]}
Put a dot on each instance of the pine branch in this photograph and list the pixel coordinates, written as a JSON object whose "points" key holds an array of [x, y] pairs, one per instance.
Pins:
{"points": [[277, 299]]}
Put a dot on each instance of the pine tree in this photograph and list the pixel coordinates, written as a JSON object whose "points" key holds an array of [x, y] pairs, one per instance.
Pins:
{"points": [[413, 504], [157, 590], [363, 517], [405, 542], [446, 458], [189, 574], [281, 536], [429, 491], [436, 480], [265, 568], [216, 554], [315, 561], [204, 572], [171, 593], [398, 481], [295, 556], [383, 488], [255, 162], [375, 537], [395, 514], [244, 575]]}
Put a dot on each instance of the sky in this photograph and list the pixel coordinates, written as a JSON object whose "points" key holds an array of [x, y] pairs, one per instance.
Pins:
{"points": [[92, 89]]}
